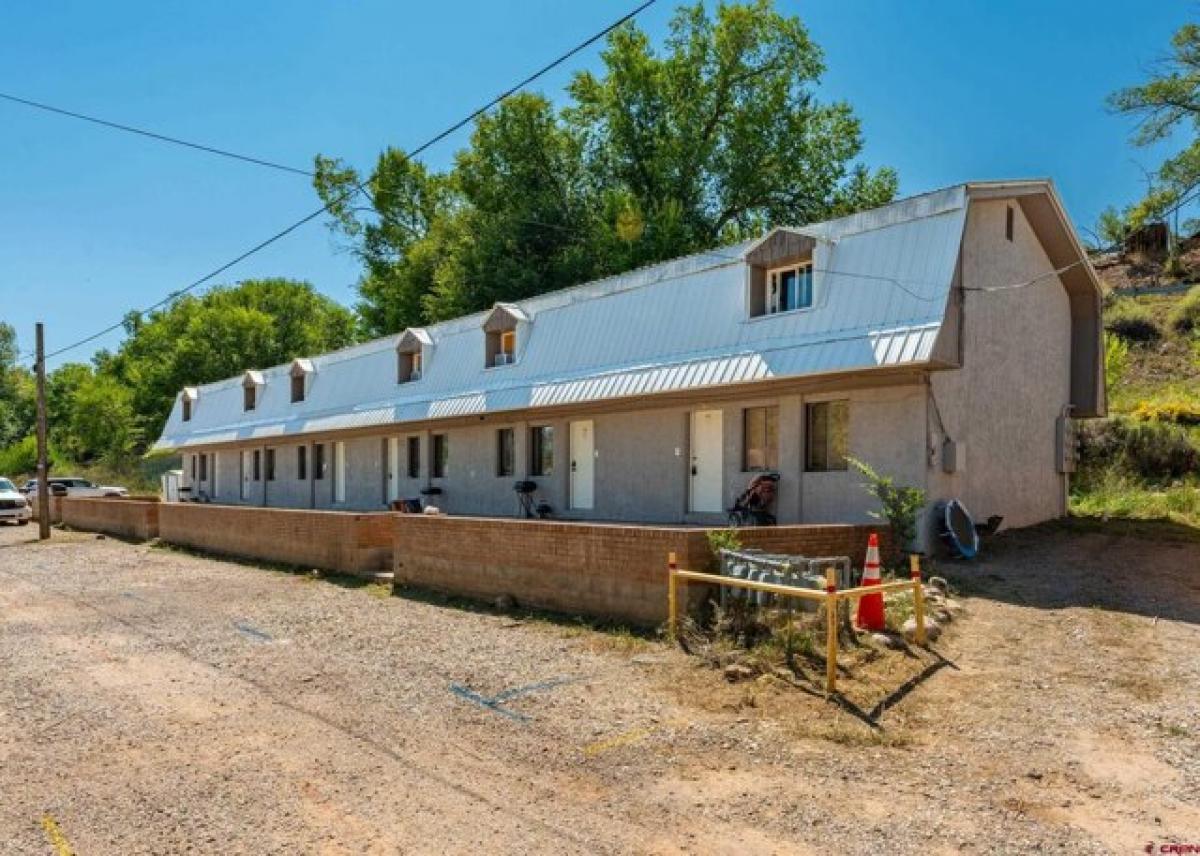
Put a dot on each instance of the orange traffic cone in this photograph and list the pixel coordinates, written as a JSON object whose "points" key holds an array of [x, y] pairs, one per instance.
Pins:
{"points": [[870, 606]]}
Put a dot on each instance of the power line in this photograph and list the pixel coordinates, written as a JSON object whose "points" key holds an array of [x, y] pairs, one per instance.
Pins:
{"points": [[358, 186], [154, 135]]}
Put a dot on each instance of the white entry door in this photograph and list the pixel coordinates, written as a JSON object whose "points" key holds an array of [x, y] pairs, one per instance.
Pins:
{"points": [[706, 471], [339, 472], [247, 463], [583, 464], [393, 468]]}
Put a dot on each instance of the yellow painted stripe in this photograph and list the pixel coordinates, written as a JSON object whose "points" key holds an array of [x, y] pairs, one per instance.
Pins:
{"points": [[594, 749], [55, 836]]}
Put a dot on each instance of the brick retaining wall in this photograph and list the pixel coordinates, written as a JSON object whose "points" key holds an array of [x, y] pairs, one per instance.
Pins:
{"points": [[125, 518], [55, 509], [359, 544], [611, 571]]}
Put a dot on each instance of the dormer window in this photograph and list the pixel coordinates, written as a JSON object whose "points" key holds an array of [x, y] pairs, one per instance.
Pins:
{"points": [[789, 288], [251, 383], [408, 367], [414, 343], [299, 373], [507, 349], [500, 334], [187, 401], [781, 273]]}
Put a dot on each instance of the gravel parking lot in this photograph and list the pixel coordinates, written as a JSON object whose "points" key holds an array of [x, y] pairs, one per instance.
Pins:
{"points": [[153, 701]]}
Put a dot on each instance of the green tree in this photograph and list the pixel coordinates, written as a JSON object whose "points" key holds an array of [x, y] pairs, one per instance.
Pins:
{"points": [[718, 137], [102, 424], [195, 340], [1168, 100], [721, 135], [17, 392], [62, 390]]}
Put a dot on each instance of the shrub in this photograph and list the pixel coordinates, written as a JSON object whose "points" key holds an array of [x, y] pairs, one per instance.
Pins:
{"points": [[1154, 451], [19, 459], [901, 505], [1185, 317], [1116, 360], [1131, 322], [1177, 411], [722, 539]]}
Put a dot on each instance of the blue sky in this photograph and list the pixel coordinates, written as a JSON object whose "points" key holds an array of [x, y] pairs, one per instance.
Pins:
{"points": [[94, 222]]}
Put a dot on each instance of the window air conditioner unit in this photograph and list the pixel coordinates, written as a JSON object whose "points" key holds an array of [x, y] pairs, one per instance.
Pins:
{"points": [[503, 359]]}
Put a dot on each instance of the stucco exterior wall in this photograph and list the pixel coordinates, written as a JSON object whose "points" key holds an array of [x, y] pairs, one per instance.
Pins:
{"points": [[642, 461], [887, 431], [1003, 405]]}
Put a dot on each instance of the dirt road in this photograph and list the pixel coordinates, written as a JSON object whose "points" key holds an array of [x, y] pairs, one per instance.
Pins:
{"points": [[157, 702]]}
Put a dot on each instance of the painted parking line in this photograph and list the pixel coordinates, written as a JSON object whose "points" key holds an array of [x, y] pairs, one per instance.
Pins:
{"points": [[55, 836], [251, 632], [495, 703]]}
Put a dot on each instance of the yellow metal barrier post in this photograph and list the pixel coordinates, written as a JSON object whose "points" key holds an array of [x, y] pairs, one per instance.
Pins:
{"points": [[831, 630], [672, 615], [914, 565]]}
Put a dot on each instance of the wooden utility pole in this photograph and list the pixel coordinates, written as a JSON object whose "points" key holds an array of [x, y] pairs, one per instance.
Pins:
{"points": [[43, 463]]}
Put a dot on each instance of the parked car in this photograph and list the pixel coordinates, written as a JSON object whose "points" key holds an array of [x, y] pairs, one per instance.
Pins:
{"points": [[13, 506], [74, 486]]}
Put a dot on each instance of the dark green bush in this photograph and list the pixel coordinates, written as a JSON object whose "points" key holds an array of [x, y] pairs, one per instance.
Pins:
{"points": [[1185, 317], [1152, 451], [1131, 322]]}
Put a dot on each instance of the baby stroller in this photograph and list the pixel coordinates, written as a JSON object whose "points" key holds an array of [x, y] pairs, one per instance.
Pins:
{"points": [[753, 506]]}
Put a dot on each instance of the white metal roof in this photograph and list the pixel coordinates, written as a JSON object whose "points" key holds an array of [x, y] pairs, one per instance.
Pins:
{"points": [[881, 284]]}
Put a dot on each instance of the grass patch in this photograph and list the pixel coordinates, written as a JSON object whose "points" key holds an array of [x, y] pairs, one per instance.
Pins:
{"points": [[1149, 529], [1117, 496]]}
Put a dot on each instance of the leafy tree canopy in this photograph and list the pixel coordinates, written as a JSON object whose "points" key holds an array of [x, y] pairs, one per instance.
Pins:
{"points": [[17, 401], [227, 330], [717, 136], [1166, 103]]}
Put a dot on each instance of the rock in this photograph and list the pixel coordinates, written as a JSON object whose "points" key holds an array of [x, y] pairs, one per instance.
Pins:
{"points": [[952, 606], [736, 672], [932, 629], [505, 602], [888, 640], [942, 616], [101, 537], [939, 583], [315, 573]]}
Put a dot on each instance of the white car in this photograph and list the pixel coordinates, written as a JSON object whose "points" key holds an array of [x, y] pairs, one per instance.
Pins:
{"points": [[74, 486], [13, 506]]}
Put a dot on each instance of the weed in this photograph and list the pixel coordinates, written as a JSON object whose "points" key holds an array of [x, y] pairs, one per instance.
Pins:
{"points": [[1132, 322], [898, 608], [901, 504], [1174, 729], [722, 539], [1185, 317]]}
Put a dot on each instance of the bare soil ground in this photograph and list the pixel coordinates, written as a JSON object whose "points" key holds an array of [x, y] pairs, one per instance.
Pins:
{"points": [[158, 702]]}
